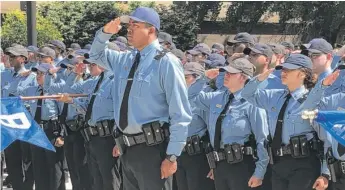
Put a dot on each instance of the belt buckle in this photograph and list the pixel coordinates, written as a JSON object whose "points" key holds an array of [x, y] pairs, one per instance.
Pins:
{"points": [[216, 156], [126, 141], [342, 166]]}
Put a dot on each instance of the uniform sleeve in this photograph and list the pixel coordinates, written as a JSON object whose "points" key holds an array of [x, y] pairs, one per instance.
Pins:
{"points": [[53, 87], [331, 102], [203, 100], [259, 125], [314, 97], [104, 57], [257, 97], [80, 104], [180, 114]]}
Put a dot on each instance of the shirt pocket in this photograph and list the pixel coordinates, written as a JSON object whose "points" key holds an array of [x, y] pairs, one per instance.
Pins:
{"points": [[142, 86], [214, 114], [237, 121]]}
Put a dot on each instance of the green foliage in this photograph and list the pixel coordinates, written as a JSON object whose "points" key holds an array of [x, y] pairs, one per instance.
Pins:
{"points": [[14, 29]]}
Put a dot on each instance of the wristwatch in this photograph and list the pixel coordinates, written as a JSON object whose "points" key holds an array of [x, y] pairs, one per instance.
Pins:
{"points": [[171, 158], [326, 176]]}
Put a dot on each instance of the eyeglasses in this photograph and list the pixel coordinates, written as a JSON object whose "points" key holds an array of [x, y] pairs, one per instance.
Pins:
{"points": [[314, 55]]}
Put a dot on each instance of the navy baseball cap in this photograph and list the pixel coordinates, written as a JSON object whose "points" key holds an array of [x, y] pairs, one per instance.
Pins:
{"points": [[288, 45], [32, 49], [296, 61], [122, 46], [215, 60], [192, 68], [277, 48], [113, 46], [319, 45], [242, 37], [240, 65], [164, 37], [217, 47], [178, 53], [74, 46], [17, 50], [262, 49], [43, 67], [57, 43], [200, 48], [143, 14], [46, 52]]}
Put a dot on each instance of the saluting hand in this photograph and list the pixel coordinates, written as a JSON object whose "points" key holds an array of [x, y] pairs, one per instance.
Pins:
{"points": [[330, 79], [59, 142], [254, 182], [263, 76], [113, 27], [321, 183], [212, 73], [210, 174]]}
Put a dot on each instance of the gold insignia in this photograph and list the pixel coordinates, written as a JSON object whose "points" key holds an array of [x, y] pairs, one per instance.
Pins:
{"points": [[218, 106]]}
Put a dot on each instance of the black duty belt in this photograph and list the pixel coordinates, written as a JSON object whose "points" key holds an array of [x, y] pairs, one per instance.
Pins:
{"points": [[340, 166], [45, 124], [131, 140], [102, 128], [221, 155]]}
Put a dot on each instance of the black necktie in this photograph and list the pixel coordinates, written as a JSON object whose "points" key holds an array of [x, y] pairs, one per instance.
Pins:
{"points": [[64, 113], [124, 104], [341, 149], [218, 132], [277, 139], [38, 112], [93, 97]]}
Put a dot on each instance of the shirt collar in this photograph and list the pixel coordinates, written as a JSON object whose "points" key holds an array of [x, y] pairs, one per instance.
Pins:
{"points": [[154, 45], [299, 92], [237, 95]]}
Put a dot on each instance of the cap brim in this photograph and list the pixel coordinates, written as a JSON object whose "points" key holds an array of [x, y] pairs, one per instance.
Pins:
{"points": [[287, 66], [230, 69], [161, 40], [186, 72], [314, 51], [232, 42], [127, 18], [341, 67], [12, 52], [194, 52]]}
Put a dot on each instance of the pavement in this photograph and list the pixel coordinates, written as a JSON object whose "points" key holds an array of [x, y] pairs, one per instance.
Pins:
{"points": [[68, 185]]}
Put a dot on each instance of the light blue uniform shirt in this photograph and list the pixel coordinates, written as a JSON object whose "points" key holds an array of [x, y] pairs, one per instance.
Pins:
{"points": [[6, 77], [54, 87], [102, 108], [338, 85], [242, 119], [16, 82], [198, 124], [50, 107], [30, 65], [273, 81], [329, 103], [158, 93], [273, 100]]}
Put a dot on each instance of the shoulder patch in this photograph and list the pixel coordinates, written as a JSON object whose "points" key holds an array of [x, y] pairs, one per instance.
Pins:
{"points": [[160, 54]]}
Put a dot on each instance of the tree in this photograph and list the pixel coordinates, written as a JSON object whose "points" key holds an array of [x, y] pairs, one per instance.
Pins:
{"points": [[14, 29], [181, 24]]}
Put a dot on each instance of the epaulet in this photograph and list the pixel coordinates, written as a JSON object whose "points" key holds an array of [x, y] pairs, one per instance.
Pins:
{"points": [[111, 77], [161, 54], [303, 98]]}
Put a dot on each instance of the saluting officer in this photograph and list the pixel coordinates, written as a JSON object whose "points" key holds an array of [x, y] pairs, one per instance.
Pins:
{"points": [[295, 149], [238, 132], [192, 164], [47, 165], [97, 131], [71, 121], [150, 96], [17, 155]]}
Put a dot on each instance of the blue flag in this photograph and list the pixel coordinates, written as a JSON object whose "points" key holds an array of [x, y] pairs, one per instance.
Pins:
{"points": [[16, 123], [334, 123]]}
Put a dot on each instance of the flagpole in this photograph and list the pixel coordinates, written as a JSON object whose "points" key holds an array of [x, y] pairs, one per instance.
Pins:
{"points": [[52, 96]]}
